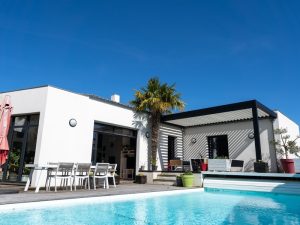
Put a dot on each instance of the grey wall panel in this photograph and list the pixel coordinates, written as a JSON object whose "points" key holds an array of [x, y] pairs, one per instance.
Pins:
{"points": [[239, 144], [164, 132]]}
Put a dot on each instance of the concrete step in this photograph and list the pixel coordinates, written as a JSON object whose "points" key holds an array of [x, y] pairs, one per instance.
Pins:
{"points": [[164, 182], [171, 174], [167, 177]]}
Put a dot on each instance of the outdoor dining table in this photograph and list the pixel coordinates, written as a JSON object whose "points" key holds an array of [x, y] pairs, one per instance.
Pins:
{"points": [[42, 168]]}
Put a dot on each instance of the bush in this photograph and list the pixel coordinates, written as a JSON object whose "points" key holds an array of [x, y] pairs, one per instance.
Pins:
{"points": [[188, 173]]}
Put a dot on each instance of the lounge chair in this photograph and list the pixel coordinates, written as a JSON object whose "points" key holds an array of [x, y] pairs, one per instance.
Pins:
{"points": [[175, 164], [237, 165]]}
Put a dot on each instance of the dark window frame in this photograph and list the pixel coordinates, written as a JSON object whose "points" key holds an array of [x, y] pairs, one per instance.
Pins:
{"points": [[216, 136], [26, 127]]}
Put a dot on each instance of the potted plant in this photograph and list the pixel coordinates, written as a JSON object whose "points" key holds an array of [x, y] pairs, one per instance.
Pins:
{"points": [[13, 166], [285, 146], [179, 181], [204, 164], [261, 167], [153, 164], [25, 175], [188, 179], [142, 167], [141, 179]]}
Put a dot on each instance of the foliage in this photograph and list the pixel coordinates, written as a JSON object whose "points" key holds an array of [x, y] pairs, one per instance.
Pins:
{"points": [[285, 145], [156, 98], [153, 161], [14, 161], [188, 173]]}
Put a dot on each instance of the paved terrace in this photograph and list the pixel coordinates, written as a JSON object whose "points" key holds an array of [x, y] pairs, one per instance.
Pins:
{"points": [[121, 189]]}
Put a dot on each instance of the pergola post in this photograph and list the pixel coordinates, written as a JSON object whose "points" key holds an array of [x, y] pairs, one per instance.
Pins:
{"points": [[256, 132]]}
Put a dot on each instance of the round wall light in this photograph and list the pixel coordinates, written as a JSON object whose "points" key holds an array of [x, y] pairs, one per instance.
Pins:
{"points": [[147, 134], [251, 135], [193, 140], [72, 122]]}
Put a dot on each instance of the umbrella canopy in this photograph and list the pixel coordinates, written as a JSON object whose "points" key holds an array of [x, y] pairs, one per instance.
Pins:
{"points": [[5, 115]]}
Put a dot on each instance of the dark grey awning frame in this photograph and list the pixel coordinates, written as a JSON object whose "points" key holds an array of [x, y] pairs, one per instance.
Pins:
{"points": [[248, 110]]}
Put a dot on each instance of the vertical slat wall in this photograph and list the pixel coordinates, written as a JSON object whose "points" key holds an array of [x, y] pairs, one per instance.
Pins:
{"points": [[164, 132]]}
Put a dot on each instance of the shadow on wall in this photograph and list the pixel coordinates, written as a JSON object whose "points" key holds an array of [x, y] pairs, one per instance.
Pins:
{"points": [[239, 142], [140, 122], [249, 165], [235, 135], [164, 132]]}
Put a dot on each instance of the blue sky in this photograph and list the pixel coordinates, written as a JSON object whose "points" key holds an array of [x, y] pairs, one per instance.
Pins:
{"points": [[217, 52]]}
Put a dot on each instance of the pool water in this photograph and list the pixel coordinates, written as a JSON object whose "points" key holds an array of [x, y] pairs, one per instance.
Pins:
{"points": [[209, 207]]}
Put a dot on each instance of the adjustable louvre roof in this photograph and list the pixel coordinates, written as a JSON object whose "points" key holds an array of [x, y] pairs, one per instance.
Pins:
{"points": [[220, 114]]}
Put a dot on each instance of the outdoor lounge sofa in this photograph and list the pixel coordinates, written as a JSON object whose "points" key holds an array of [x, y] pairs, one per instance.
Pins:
{"points": [[226, 165]]}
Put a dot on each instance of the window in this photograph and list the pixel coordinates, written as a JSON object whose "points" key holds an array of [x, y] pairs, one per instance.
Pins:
{"points": [[104, 128], [218, 146], [22, 142]]}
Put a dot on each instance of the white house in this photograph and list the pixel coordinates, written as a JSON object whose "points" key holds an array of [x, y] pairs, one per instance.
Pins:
{"points": [[41, 131], [54, 125]]}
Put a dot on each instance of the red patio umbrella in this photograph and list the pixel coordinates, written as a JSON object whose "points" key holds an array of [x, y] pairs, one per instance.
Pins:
{"points": [[5, 115]]}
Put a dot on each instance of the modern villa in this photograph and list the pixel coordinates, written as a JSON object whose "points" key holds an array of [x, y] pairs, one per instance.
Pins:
{"points": [[50, 124]]}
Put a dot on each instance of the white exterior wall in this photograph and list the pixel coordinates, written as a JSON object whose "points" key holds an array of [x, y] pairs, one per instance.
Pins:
{"points": [[28, 102], [239, 144], [165, 131], [59, 142], [283, 122]]}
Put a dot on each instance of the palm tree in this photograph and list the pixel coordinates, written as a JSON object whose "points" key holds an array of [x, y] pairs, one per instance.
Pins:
{"points": [[158, 99]]}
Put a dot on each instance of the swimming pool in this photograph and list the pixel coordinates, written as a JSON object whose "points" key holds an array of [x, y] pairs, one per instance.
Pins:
{"points": [[189, 207]]}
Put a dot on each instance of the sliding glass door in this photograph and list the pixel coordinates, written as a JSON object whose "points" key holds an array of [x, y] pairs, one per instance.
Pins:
{"points": [[22, 142], [113, 144]]}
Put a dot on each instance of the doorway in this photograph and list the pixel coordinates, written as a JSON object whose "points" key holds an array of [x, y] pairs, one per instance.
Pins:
{"points": [[171, 147], [115, 145], [22, 141], [218, 146]]}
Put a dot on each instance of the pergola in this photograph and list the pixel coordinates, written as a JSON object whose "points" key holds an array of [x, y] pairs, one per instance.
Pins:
{"points": [[248, 110]]}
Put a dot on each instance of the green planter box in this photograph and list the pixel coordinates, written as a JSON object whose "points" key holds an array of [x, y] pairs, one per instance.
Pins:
{"points": [[187, 180]]}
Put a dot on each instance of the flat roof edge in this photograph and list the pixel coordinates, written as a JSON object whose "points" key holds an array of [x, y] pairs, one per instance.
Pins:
{"points": [[24, 89], [219, 109]]}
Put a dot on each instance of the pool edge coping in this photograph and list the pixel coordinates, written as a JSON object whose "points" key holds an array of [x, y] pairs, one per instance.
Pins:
{"points": [[6, 208]]}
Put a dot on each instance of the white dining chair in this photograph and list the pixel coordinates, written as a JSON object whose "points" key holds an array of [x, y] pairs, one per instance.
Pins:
{"points": [[50, 174], [64, 172], [82, 174], [112, 168], [101, 172]]}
